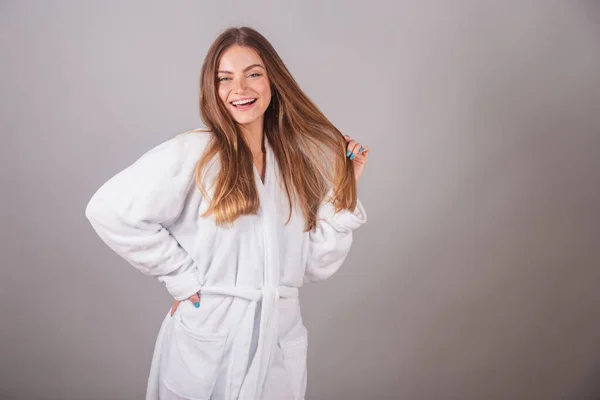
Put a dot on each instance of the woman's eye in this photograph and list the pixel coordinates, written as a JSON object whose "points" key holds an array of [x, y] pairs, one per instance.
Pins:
{"points": [[223, 78], [255, 74]]}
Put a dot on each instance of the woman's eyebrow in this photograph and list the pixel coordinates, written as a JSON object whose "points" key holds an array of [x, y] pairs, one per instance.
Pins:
{"points": [[245, 69]]}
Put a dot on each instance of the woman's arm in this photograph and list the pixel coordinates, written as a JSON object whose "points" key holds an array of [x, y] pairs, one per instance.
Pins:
{"points": [[330, 240], [130, 210]]}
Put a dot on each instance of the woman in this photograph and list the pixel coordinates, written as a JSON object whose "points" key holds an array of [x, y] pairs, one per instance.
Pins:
{"points": [[233, 220]]}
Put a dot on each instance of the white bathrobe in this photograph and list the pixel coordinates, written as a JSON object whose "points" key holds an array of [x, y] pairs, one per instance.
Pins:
{"points": [[247, 340]]}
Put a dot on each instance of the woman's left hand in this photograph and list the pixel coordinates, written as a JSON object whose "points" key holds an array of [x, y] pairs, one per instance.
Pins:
{"points": [[358, 153]]}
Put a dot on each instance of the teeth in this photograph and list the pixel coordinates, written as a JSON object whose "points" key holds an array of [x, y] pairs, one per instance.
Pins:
{"points": [[241, 102]]}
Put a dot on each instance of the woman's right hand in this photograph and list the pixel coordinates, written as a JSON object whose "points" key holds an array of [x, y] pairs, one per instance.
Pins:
{"points": [[195, 298]]}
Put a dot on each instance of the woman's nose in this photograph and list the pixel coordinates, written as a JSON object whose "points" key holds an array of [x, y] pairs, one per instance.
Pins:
{"points": [[240, 85]]}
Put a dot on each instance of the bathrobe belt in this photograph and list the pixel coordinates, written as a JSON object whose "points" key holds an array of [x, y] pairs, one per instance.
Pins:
{"points": [[250, 293]]}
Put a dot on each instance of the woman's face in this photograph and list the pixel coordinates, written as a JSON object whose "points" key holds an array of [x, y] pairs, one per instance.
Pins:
{"points": [[243, 85]]}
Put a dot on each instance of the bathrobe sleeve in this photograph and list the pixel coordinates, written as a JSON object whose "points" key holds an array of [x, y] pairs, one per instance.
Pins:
{"points": [[330, 240], [130, 210]]}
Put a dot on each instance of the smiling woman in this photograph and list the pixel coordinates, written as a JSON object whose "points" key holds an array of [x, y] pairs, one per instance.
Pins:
{"points": [[273, 206], [243, 84]]}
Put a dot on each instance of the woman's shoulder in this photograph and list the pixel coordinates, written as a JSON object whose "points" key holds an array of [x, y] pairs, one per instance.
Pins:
{"points": [[176, 154], [194, 140], [187, 145]]}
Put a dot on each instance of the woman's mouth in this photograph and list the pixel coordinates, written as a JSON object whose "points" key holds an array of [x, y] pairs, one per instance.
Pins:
{"points": [[243, 104]]}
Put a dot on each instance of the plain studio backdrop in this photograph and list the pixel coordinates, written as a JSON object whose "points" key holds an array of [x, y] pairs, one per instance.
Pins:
{"points": [[477, 275]]}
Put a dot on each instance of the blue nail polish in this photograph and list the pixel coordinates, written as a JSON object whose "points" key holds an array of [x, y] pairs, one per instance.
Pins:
{"points": [[197, 305], [352, 156], [361, 150], [348, 153]]}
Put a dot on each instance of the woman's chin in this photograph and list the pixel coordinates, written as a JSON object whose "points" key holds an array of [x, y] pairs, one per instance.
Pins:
{"points": [[246, 121]]}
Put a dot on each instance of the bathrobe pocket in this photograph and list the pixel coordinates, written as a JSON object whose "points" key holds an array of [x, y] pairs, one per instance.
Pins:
{"points": [[294, 354], [191, 361]]}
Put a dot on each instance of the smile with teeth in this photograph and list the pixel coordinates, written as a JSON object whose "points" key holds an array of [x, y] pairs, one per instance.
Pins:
{"points": [[243, 103]]}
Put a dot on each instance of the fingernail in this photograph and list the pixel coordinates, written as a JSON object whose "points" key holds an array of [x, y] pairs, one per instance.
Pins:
{"points": [[348, 153], [361, 150], [352, 156], [197, 304]]}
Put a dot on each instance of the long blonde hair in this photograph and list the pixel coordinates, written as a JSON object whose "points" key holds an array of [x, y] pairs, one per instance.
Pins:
{"points": [[309, 149]]}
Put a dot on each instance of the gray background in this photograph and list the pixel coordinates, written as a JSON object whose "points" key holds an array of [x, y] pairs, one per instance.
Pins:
{"points": [[477, 276]]}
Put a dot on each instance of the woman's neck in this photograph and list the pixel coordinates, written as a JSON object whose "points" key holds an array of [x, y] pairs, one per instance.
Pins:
{"points": [[254, 136]]}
